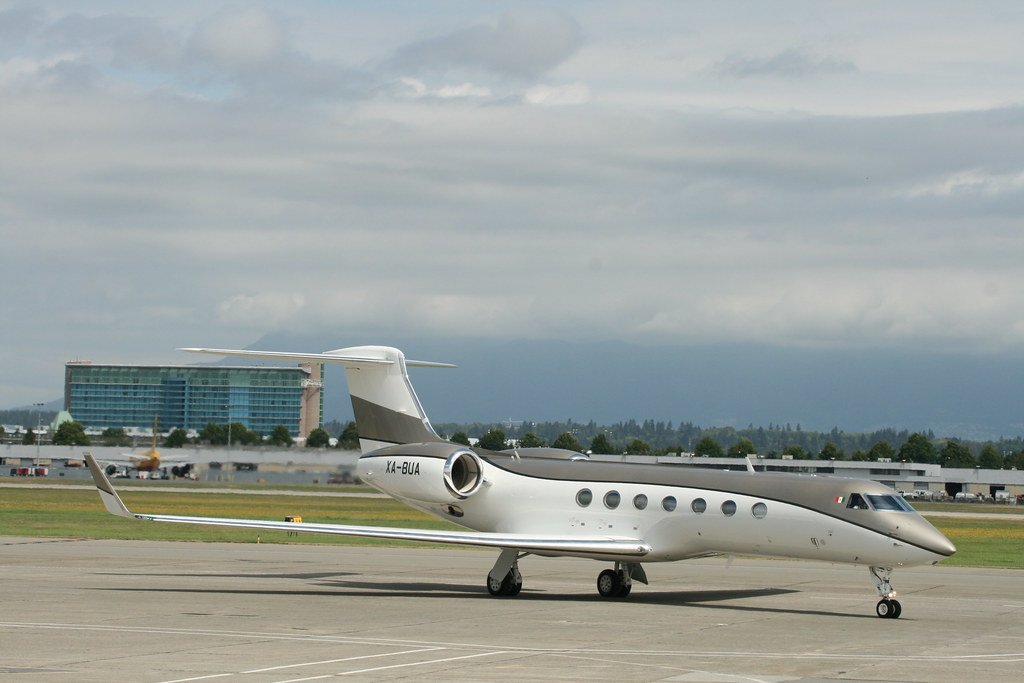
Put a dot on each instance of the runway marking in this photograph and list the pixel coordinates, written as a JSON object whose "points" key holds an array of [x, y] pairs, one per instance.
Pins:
{"points": [[432, 661], [293, 666], [335, 661], [1008, 657]]}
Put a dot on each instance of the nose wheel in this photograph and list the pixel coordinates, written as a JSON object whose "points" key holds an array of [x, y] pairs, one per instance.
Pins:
{"points": [[888, 609]]}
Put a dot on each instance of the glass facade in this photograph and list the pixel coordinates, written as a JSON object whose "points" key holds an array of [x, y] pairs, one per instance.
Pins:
{"points": [[189, 397]]}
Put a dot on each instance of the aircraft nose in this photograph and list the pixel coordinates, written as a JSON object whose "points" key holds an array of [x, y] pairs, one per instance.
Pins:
{"points": [[933, 540]]}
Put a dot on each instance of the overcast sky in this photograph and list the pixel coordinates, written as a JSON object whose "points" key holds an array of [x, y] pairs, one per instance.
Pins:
{"points": [[800, 173]]}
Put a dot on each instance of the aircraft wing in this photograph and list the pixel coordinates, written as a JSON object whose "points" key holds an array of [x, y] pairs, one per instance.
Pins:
{"points": [[581, 546], [132, 459]]}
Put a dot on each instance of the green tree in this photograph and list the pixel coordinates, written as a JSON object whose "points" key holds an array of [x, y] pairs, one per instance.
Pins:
{"points": [[917, 448], [1015, 461], [989, 458], [709, 447], [859, 456], [318, 438], [568, 442], [831, 452], [29, 439], [214, 434], [280, 436], [880, 451], [741, 449], [530, 440], [493, 440], [243, 436], [601, 446], [115, 436], [955, 454], [460, 437], [796, 451], [176, 439], [349, 439], [638, 447], [70, 434]]}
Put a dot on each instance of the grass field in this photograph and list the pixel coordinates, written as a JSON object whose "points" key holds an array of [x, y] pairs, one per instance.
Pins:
{"points": [[78, 513]]}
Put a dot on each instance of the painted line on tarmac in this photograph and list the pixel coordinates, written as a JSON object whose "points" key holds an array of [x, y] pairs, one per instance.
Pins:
{"points": [[295, 666], [994, 657]]}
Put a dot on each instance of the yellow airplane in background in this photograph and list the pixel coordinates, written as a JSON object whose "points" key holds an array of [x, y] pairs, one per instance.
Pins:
{"points": [[145, 464]]}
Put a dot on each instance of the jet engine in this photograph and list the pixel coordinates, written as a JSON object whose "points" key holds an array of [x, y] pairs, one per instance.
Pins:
{"points": [[462, 473], [429, 473], [182, 471]]}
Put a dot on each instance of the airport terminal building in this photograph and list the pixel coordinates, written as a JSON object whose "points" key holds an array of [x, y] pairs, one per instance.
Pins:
{"points": [[190, 397]]}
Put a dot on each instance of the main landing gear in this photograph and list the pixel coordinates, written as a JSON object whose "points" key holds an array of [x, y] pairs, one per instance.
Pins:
{"points": [[888, 607], [618, 582], [504, 579]]}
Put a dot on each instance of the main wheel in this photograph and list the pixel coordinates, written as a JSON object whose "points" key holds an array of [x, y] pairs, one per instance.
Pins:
{"points": [[609, 584], [503, 587]]}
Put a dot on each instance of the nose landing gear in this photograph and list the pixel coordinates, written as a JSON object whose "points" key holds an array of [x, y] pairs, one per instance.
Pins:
{"points": [[888, 607]]}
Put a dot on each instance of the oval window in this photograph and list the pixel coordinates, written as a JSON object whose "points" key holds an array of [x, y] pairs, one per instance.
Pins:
{"points": [[729, 508], [669, 503], [759, 510], [640, 502], [611, 500], [699, 505], [584, 497]]}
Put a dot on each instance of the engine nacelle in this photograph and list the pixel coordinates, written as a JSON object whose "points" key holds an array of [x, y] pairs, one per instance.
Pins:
{"points": [[430, 473], [463, 473], [182, 471]]}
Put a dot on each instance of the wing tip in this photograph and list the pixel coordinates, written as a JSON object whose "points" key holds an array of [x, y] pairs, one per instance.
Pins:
{"points": [[108, 495]]}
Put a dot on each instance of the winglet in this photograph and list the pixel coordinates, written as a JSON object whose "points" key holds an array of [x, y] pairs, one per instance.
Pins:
{"points": [[108, 495]]}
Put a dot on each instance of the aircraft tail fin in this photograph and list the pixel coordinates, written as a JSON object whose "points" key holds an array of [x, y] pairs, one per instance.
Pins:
{"points": [[386, 407]]}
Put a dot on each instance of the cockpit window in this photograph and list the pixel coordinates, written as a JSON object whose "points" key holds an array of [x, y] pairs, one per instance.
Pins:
{"points": [[889, 502], [857, 502]]}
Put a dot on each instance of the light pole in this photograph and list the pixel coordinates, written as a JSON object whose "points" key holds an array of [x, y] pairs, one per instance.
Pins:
{"points": [[228, 409], [39, 422]]}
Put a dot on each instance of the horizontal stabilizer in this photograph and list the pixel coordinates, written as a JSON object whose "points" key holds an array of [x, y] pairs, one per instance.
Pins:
{"points": [[340, 356]]}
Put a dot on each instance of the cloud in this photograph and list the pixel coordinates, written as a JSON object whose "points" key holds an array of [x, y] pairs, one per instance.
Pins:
{"points": [[240, 39], [268, 310], [789, 63], [331, 168], [521, 45], [972, 182], [573, 93]]}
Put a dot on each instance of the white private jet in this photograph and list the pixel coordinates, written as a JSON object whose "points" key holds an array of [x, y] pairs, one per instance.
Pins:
{"points": [[551, 502]]}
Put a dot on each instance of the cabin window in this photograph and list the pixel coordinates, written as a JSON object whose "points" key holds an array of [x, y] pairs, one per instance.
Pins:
{"points": [[759, 510], [729, 508], [640, 502], [584, 497], [857, 502], [612, 499], [699, 505], [889, 502], [669, 503]]}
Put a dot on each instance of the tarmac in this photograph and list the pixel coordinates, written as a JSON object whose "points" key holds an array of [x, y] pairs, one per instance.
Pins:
{"points": [[95, 610]]}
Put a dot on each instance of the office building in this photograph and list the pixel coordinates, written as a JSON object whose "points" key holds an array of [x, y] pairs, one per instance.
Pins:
{"points": [[190, 397]]}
